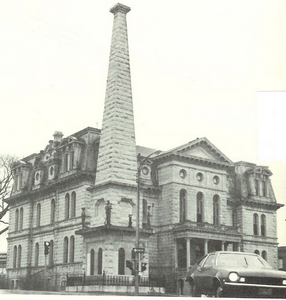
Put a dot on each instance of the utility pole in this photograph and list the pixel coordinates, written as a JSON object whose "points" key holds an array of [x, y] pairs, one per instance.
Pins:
{"points": [[138, 250], [46, 252]]}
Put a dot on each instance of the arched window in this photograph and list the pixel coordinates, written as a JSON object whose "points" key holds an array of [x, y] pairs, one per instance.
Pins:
{"points": [[99, 261], [263, 225], [216, 210], [15, 257], [21, 218], [17, 219], [73, 204], [66, 249], [255, 224], [92, 257], [183, 197], [121, 261], [264, 255], [19, 255], [67, 206], [72, 249], [36, 254], [51, 253], [53, 210], [200, 197], [257, 252], [38, 215]]}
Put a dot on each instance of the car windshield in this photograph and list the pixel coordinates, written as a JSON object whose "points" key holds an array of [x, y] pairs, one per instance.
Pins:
{"points": [[241, 260]]}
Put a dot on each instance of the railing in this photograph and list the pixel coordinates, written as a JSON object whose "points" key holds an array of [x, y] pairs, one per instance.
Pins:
{"points": [[205, 225], [111, 280]]}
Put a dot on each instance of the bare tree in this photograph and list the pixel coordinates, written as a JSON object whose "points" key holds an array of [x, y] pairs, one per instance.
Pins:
{"points": [[6, 179]]}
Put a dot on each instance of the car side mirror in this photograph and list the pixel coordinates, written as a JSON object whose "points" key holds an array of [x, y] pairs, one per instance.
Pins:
{"points": [[199, 268]]}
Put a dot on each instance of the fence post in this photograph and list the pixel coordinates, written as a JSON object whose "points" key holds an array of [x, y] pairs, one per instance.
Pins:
{"points": [[83, 279], [103, 278]]}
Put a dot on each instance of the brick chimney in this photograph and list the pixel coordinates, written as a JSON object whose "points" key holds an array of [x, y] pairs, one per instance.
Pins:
{"points": [[58, 135]]}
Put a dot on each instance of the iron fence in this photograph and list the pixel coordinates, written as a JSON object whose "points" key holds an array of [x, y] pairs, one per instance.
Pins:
{"points": [[112, 280]]}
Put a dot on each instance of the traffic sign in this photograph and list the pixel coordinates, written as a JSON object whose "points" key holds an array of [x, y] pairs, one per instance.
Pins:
{"points": [[138, 250]]}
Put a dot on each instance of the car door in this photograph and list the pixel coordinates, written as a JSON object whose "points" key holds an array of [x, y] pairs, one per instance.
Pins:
{"points": [[204, 274]]}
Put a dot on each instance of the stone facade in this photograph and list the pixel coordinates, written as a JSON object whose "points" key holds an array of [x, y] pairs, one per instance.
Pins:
{"points": [[80, 195]]}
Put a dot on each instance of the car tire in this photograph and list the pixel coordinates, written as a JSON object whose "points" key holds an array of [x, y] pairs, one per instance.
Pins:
{"points": [[218, 292], [194, 291]]}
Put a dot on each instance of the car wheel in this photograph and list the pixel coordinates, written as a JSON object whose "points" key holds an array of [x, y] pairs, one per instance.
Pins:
{"points": [[218, 291], [194, 291]]}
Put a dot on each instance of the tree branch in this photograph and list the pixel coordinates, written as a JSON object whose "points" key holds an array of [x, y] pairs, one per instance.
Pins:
{"points": [[5, 229]]}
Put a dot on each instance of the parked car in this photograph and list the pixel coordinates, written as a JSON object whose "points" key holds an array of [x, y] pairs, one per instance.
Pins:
{"points": [[236, 274]]}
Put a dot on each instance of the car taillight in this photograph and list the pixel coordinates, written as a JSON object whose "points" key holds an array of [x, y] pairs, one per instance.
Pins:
{"points": [[284, 282]]}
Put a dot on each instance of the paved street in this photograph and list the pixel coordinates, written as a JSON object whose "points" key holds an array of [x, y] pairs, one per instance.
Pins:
{"points": [[21, 293]]}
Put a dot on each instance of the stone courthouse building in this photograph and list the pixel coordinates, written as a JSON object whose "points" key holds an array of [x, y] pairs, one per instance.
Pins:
{"points": [[80, 195]]}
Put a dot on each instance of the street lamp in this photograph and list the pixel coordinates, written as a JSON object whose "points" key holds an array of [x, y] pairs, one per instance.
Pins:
{"points": [[139, 168]]}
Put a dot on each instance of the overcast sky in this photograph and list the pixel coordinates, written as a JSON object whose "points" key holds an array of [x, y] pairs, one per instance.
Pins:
{"points": [[214, 69]]}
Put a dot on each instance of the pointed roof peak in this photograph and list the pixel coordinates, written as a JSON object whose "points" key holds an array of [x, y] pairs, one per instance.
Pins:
{"points": [[120, 8]]}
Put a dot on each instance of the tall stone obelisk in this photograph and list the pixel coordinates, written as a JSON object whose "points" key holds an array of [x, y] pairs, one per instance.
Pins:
{"points": [[117, 149]]}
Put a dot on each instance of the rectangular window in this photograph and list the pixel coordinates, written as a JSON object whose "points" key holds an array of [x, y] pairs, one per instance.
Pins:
{"points": [[16, 182], [19, 181], [264, 190], [66, 162], [71, 160], [256, 187]]}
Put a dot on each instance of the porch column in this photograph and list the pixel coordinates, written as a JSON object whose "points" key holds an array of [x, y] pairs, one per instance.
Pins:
{"points": [[223, 245], [206, 250], [188, 252]]}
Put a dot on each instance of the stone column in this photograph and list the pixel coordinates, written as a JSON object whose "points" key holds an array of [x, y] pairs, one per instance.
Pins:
{"points": [[87, 264], [223, 245], [176, 254], [206, 250], [188, 252]]}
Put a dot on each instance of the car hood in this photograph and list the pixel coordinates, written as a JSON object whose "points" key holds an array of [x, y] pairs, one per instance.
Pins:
{"points": [[257, 272]]}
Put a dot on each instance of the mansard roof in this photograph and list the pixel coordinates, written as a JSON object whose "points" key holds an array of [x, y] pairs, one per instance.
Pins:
{"points": [[144, 151]]}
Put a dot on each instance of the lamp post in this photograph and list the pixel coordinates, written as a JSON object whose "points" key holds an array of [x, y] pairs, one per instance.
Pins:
{"points": [[139, 168]]}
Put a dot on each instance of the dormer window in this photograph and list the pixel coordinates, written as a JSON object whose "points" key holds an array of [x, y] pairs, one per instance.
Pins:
{"points": [[68, 161], [259, 178], [145, 170], [20, 172], [17, 179], [38, 177], [51, 171], [261, 186]]}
